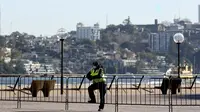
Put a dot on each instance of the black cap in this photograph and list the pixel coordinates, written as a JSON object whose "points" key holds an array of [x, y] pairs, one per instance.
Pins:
{"points": [[95, 63]]}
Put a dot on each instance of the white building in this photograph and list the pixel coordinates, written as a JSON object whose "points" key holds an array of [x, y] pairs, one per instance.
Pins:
{"points": [[30, 67], [45, 69], [88, 32], [7, 51], [37, 68], [129, 62], [6, 54]]}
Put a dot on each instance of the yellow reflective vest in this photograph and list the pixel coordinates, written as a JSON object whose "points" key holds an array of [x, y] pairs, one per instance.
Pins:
{"points": [[95, 73]]}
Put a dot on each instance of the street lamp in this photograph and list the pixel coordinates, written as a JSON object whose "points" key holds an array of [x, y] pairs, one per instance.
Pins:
{"points": [[175, 82], [61, 65], [178, 39], [61, 32]]}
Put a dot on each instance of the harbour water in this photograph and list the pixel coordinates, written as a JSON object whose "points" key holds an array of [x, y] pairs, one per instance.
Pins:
{"points": [[134, 79]]}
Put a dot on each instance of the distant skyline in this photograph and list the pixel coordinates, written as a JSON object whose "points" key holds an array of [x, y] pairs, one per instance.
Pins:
{"points": [[45, 17]]}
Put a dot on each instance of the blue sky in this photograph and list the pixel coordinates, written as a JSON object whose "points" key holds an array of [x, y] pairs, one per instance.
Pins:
{"points": [[47, 16]]}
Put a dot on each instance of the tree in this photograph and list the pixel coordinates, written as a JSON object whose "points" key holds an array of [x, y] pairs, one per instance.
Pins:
{"points": [[2, 54], [2, 41], [127, 21], [14, 67], [197, 61], [19, 41], [131, 69], [72, 33], [40, 48], [86, 42], [135, 47], [128, 45], [111, 70], [186, 51], [8, 68], [145, 35], [139, 66], [166, 23], [111, 28], [169, 58], [15, 54], [172, 47], [19, 68], [149, 57]]}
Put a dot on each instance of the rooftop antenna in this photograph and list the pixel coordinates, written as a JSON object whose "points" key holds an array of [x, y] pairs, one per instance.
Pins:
{"points": [[11, 27], [106, 20], [174, 18], [178, 9]]}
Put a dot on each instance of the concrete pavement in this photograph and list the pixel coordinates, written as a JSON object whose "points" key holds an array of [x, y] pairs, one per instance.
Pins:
{"points": [[11, 106]]}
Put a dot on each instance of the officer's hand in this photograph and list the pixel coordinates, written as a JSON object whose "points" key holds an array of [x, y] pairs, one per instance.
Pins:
{"points": [[89, 78]]}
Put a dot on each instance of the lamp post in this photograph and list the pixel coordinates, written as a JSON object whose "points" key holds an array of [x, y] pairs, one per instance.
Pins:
{"points": [[61, 32], [178, 39], [61, 65]]}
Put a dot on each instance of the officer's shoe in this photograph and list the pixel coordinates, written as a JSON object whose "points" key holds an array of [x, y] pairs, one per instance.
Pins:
{"points": [[91, 101], [100, 109]]}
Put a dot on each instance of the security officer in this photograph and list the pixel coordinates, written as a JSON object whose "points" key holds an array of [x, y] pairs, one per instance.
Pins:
{"points": [[99, 82]]}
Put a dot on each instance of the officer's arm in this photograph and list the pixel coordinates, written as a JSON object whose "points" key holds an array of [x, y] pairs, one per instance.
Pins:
{"points": [[89, 75], [99, 74]]}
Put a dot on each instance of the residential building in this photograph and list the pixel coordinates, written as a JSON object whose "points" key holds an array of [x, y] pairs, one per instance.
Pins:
{"points": [[153, 28], [161, 59], [159, 42], [88, 32], [154, 42], [175, 27], [53, 39], [128, 54], [45, 69], [164, 41], [111, 55], [30, 66], [37, 68], [129, 62], [151, 70], [54, 47]]}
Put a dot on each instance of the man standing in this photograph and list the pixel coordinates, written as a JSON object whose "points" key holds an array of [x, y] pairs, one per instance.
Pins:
{"points": [[99, 82]]}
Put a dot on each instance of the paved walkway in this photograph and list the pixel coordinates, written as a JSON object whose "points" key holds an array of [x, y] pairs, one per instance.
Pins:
{"points": [[58, 107]]}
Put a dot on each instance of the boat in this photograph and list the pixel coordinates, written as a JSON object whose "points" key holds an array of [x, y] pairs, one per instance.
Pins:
{"points": [[186, 71]]}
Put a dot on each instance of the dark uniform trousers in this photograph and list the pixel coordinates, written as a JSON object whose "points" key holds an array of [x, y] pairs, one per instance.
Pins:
{"points": [[102, 89]]}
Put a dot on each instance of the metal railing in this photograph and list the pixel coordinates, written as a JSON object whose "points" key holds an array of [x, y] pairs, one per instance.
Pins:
{"points": [[121, 90]]}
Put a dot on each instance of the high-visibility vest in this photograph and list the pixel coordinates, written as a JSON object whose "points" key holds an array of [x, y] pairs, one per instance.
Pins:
{"points": [[95, 73]]}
